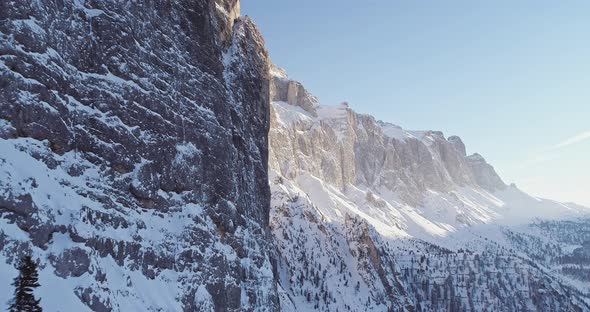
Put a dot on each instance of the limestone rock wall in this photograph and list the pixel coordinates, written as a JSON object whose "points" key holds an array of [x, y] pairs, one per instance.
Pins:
{"points": [[146, 125], [343, 147]]}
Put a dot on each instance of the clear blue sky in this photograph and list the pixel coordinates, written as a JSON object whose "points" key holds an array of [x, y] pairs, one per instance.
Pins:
{"points": [[512, 78]]}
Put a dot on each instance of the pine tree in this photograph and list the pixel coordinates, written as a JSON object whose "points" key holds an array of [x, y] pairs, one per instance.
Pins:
{"points": [[24, 284]]}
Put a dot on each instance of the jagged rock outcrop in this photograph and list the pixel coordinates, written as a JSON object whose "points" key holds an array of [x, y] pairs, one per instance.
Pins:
{"points": [[484, 173], [458, 144], [343, 147], [134, 148], [369, 216], [283, 89]]}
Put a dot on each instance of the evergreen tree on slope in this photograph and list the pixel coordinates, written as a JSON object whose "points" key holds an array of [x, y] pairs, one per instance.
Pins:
{"points": [[24, 284]]}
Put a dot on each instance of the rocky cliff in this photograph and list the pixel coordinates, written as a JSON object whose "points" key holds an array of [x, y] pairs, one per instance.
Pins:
{"points": [[134, 154], [342, 147], [368, 216], [152, 159]]}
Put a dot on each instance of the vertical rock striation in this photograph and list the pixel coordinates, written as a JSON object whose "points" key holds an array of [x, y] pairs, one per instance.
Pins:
{"points": [[367, 216], [146, 125], [343, 147]]}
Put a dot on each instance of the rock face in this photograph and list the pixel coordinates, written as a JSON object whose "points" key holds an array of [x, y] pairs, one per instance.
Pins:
{"points": [[144, 167], [458, 144], [134, 136], [484, 173], [369, 216], [290, 91], [342, 147]]}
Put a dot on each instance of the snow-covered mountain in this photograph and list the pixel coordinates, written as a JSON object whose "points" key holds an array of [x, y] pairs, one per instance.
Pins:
{"points": [[369, 216], [133, 155], [152, 159]]}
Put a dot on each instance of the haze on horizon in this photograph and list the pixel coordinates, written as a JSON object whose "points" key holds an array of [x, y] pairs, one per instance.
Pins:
{"points": [[510, 78]]}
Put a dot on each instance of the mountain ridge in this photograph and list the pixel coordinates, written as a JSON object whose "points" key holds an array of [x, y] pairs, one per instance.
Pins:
{"points": [[349, 191], [152, 158], [134, 154]]}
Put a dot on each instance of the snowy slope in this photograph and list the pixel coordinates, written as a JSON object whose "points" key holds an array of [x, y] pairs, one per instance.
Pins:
{"points": [[133, 155], [371, 208], [152, 159]]}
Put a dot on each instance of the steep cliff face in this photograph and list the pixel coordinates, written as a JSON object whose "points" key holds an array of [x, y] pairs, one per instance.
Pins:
{"points": [[134, 154], [342, 147], [135, 168], [368, 216]]}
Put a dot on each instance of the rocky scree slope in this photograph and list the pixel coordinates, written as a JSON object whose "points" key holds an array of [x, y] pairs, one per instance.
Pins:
{"points": [[368, 216], [133, 163]]}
